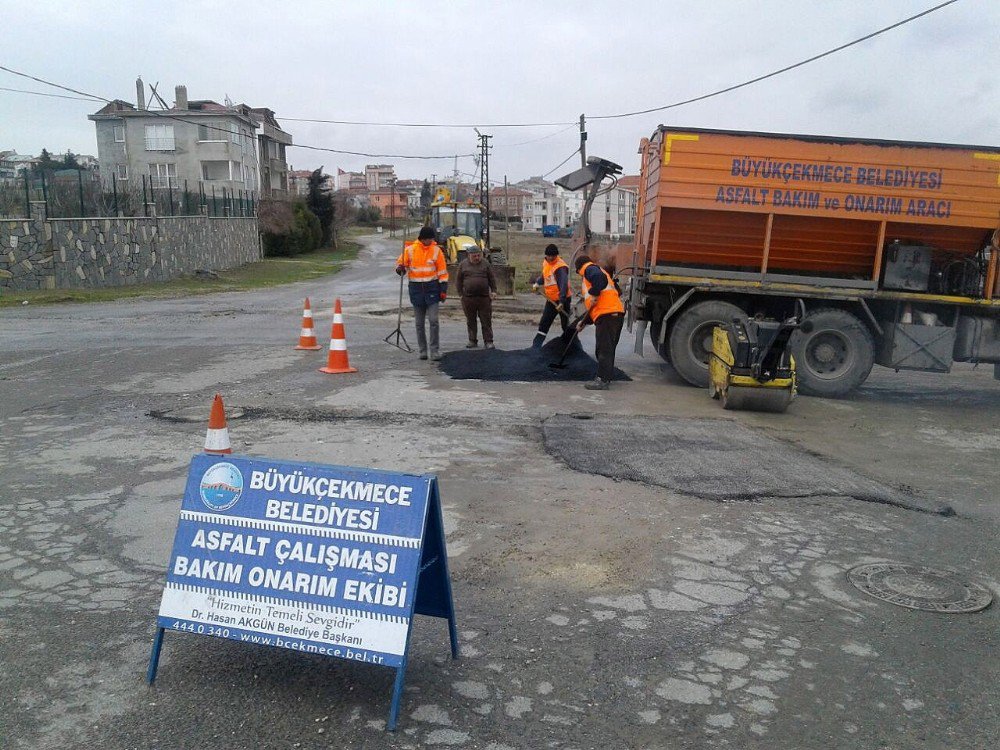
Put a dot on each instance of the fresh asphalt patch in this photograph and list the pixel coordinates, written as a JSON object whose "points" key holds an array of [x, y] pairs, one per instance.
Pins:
{"points": [[524, 365], [710, 458]]}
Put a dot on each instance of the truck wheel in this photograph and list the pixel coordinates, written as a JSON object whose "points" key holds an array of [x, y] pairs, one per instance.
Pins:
{"points": [[690, 338], [835, 357]]}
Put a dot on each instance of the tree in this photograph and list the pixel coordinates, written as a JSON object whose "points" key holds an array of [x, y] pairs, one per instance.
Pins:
{"points": [[46, 163], [69, 161], [425, 196], [320, 202]]}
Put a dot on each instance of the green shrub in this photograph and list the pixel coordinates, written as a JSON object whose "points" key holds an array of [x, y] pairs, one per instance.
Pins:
{"points": [[369, 215], [288, 229]]}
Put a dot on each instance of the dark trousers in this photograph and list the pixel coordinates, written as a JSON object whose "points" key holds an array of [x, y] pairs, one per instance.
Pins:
{"points": [[549, 313], [607, 330], [481, 307]]}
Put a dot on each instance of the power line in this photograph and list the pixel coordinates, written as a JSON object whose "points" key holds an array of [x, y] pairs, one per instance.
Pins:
{"points": [[177, 118], [621, 115], [379, 156], [561, 163], [426, 124], [536, 140], [674, 105], [56, 96], [774, 73]]}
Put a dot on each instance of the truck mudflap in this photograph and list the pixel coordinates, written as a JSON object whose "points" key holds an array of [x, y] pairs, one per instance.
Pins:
{"points": [[640, 335]]}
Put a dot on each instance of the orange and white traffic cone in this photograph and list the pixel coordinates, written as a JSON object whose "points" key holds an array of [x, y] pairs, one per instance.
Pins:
{"points": [[307, 337], [217, 436], [336, 361]]}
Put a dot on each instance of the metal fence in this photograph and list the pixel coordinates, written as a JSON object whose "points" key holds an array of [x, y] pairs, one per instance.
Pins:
{"points": [[82, 194]]}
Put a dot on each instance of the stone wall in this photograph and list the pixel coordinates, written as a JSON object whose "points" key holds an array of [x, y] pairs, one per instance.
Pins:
{"points": [[75, 253]]}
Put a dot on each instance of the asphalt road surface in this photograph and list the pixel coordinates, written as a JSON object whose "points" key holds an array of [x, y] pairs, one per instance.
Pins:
{"points": [[692, 594]]}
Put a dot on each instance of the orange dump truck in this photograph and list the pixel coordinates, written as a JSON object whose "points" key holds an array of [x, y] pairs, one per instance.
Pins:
{"points": [[888, 247]]}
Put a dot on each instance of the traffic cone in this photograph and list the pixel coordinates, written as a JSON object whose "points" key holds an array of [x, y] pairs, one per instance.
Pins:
{"points": [[217, 436], [337, 359], [307, 337]]}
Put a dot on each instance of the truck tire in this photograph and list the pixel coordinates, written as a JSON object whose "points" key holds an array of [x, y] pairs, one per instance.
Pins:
{"points": [[690, 338], [835, 357]]}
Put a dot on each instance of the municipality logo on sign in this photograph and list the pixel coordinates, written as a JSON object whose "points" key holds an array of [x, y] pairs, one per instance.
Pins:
{"points": [[221, 486]]}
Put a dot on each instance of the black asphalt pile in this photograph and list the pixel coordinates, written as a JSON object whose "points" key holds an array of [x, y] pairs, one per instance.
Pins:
{"points": [[527, 365], [710, 458]]}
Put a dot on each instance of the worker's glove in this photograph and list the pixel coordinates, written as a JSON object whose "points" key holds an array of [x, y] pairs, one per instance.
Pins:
{"points": [[400, 270], [493, 295], [560, 309], [581, 325], [534, 288], [444, 296]]}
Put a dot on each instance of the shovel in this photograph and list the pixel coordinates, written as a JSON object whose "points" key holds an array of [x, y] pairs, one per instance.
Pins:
{"points": [[398, 333], [560, 365]]}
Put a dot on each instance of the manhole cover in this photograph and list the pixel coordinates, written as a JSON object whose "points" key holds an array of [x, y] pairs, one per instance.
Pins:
{"points": [[915, 587]]}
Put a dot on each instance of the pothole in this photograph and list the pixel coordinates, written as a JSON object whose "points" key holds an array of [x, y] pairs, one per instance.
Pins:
{"points": [[917, 587], [194, 414]]}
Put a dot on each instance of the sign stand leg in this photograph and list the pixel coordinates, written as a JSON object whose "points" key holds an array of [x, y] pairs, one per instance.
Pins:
{"points": [[453, 634], [397, 697], [154, 656]]}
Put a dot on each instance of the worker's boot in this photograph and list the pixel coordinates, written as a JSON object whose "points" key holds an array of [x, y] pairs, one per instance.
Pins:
{"points": [[539, 340], [597, 385], [435, 356], [472, 345]]}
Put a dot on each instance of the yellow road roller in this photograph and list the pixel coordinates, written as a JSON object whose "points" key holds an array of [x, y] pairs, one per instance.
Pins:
{"points": [[750, 366]]}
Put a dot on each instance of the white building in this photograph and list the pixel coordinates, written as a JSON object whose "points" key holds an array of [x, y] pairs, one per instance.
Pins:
{"points": [[13, 164], [613, 212]]}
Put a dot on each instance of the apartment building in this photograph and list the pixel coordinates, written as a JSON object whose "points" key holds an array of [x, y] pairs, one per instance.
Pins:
{"points": [[392, 203], [379, 176], [510, 203], [613, 212], [196, 141]]}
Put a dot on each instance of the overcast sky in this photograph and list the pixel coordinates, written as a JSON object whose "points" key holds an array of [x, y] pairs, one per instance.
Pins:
{"points": [[935, 79]]}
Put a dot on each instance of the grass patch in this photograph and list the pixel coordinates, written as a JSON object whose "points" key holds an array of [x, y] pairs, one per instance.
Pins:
{"points": [[526, 252], [268, 272]]}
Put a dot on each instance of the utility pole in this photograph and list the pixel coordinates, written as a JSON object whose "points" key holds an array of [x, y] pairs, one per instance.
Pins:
{"points": [[392, 207], [506, 215], [484, 179], [583, 140]]}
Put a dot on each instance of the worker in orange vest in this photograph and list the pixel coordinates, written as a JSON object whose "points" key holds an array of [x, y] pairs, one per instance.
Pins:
{"points": [[424, 264], [606, 311], [554, 283]]}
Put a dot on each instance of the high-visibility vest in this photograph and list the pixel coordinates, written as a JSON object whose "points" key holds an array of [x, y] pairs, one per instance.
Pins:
{"points": [[604, 303], [423, 262], [551, 288]]}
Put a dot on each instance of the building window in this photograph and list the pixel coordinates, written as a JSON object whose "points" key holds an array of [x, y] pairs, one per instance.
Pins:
{"points": [[213, 171], [162, 175], [211, 131], [119, 134], [121, 172], [159, 137]]}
